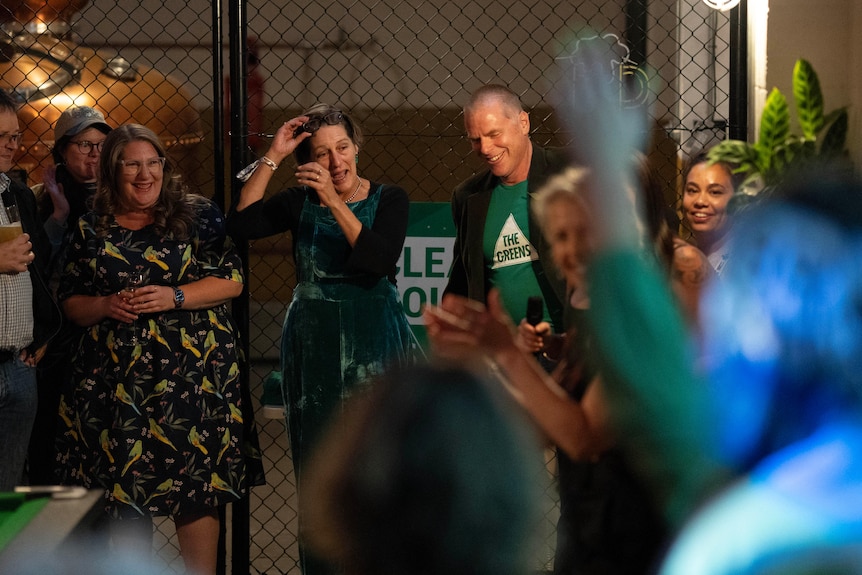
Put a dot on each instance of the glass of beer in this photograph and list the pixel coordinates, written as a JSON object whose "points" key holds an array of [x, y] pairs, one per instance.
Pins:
{"points": [[13, 229]]}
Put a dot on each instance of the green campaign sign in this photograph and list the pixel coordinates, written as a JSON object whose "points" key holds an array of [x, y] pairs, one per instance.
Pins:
{"points": [[423, 269]]}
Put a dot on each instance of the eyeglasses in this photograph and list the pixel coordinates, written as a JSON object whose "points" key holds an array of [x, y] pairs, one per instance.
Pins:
{"points": [[12, 138], [86, 147], [313, 124], [133, 167]]}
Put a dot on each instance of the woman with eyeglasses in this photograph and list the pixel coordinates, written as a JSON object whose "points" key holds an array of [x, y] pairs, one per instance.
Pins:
{"points": [[62, 198], [345, 323], [79, 134], [156, 414]]}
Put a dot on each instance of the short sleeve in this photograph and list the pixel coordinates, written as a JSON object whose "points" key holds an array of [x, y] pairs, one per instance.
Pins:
{"points": [[214, 251]]}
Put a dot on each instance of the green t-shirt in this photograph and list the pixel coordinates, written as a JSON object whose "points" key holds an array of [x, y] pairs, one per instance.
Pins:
{"points": [[509, 254]]}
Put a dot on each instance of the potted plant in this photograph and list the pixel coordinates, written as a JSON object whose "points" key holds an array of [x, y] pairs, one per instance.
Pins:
{"points": [[765, 162]]}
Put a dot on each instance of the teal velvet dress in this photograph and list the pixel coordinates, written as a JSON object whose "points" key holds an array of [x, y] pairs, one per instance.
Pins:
{"points": [[343, 326], [345, 323]]}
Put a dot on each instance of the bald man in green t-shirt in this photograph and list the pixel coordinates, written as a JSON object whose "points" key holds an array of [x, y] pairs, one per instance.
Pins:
{"points": [[498, 243]]}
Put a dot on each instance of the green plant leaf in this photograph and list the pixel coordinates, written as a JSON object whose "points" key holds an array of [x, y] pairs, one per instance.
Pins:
{"points": [[774, 127], [836, 136], [733, 152], [809, 99], [833, 115]]}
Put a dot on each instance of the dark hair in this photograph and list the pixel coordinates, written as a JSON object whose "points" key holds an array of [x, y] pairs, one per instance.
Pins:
{"points": [[736, 179], [175, 209], [702, 157], [8, 102], [652, 202], [432, 471], [302, 153]]}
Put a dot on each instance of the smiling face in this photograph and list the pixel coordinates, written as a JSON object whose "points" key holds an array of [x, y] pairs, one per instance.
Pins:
{"points": [[500, 137], [140, 191], [566, 227], [83, 166], [708, 189], [333, 149], [8, 125]]}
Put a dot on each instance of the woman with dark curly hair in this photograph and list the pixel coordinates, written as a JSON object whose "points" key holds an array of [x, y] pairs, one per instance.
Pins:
{"points": [[156, 415], [707, 190]]}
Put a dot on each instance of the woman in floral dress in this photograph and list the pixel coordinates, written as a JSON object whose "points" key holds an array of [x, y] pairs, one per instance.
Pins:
{"points": [[156, 415]]}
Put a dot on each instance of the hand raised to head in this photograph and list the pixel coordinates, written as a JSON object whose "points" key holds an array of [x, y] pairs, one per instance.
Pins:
{"points": [[286, 139]]}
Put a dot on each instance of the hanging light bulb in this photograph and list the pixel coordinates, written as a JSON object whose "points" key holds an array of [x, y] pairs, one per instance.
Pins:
{"points": [[723, 5]]}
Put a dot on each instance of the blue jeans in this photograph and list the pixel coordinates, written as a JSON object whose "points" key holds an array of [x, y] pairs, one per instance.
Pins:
{"points": [[17, 410]]}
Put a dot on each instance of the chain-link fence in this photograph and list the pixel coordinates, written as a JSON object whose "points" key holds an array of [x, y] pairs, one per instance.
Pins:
{"points": [[402, 67]]}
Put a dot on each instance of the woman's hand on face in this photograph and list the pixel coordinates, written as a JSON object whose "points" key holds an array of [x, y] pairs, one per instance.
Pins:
{"points": [[316, 177], [57, 194]]}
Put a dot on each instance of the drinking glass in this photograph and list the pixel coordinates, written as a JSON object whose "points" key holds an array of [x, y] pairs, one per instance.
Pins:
{"points": [[11, 230], [130, 331]]}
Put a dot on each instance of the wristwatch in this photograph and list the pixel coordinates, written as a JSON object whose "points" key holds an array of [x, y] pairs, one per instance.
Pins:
{"points": [[179, 298]]}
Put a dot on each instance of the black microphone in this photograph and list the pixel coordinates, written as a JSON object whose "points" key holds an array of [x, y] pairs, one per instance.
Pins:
{"points": [[535, 310]]}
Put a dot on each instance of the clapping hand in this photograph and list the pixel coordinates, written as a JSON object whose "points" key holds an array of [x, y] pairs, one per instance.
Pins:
{"points": [[461, 328], [57, 194]]}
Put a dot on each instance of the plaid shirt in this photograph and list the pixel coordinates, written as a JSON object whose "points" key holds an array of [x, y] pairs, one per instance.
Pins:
{"points": [[16, 299]]}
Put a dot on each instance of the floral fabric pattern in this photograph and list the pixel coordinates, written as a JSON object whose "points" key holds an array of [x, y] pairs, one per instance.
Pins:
{"points": [[162, 424]]}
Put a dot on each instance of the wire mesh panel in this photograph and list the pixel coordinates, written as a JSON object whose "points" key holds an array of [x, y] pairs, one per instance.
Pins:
{"points": [[403, 68]]}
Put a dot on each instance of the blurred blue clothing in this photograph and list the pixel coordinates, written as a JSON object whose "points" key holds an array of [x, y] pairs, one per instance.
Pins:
{"points": [[800, 511]]}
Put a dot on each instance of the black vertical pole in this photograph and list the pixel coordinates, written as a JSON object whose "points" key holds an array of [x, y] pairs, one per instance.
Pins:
{"points": [[636, 30], [219, 191], [738, 112], [218, 104], [237, 24]]}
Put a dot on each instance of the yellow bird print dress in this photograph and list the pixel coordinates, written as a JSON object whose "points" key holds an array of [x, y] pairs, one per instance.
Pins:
{"points": [[162, 425]]}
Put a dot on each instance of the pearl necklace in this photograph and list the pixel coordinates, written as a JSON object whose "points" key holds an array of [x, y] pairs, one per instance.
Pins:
{"points": [[356, 191]]}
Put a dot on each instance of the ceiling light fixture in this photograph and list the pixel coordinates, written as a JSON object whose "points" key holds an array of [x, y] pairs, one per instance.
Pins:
{"points": [[723, 5]]}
